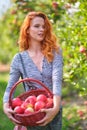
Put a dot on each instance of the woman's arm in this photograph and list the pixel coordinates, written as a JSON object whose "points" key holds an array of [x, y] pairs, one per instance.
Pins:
{"points": [[57, 102], [8, 111], [57, 76], [57, 73], [14, 77]]}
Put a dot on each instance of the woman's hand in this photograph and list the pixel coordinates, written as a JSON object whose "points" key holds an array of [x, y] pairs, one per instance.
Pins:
{"points": [[50, 114], [8, 111]]}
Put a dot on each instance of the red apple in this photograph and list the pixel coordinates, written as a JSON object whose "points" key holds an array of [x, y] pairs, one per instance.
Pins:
{"points": [[26, 105], [13, 12], [29, 110], [42, 97], [31, 100], [54, 4], [63, 103], [39, 105], [19, 110], [85, 102], [80, 113], [82, 49], [16, 102], [49, 103]]}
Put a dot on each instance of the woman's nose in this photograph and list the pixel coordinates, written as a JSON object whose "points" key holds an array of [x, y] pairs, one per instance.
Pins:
{"points": [[42, 28]]}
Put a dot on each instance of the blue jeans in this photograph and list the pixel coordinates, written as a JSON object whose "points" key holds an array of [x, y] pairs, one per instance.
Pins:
{"points": [[55, 124]]}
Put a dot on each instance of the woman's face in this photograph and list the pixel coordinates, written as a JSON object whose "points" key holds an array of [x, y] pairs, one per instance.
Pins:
{"points": [[37, 29]]}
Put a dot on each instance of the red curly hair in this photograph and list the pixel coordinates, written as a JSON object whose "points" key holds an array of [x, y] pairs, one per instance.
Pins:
{"points": [[49, 44]]}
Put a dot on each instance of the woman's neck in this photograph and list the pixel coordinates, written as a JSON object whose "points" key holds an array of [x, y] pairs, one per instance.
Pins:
{"points": [[35, 47]]}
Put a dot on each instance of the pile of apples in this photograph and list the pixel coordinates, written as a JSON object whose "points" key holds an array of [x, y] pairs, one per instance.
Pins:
{"points": [[31, 104]]}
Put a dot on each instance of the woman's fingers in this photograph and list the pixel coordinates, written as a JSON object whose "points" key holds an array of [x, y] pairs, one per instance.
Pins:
{"points": [[48, 117], [42, 110], [43, 124], [14, 120], [10, 111], [41, 121]]}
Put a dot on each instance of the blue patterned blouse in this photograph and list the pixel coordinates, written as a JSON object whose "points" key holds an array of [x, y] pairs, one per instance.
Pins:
{"points": [[51, 74]]}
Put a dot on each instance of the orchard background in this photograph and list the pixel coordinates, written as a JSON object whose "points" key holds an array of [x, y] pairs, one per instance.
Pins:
{"points": [[69, 20]]}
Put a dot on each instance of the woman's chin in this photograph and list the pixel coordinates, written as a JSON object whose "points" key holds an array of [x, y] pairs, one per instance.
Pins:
{"points": [[40, 39]]}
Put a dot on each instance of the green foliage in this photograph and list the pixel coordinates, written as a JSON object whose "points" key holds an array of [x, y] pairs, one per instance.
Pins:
{"points": [[72, 32]]}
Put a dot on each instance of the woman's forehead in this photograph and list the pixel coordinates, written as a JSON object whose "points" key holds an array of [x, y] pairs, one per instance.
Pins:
{"points": [[37, 20]]}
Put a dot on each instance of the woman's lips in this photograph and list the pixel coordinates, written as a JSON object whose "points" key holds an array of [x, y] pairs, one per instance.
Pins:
{"points": [[41, 35]]}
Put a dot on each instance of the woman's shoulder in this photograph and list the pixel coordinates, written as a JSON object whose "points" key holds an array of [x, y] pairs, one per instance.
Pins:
{"points": [[58, 51], [16, 60], [16, 57], [58, 58]]}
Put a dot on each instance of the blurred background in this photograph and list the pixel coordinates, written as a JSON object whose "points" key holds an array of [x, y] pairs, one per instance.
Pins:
{"points": [[69, 20]]}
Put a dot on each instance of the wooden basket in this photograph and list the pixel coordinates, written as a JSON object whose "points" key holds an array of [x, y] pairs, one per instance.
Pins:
{"points": [[30, 119]]}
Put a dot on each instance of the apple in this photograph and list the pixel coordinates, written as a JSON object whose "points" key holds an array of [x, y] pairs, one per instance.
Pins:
{"points": [[54, 4], [26, 105], [16, 102], [39, 105], [13, 12], [67, 6], [28, 110], [31, 100], [49, 103], [85, 102], [42, 97], [80, 113], [19, 110], [82, 49], [63, 103]]}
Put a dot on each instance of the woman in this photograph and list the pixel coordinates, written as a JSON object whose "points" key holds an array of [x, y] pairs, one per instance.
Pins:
{"points": [[43, 61]]}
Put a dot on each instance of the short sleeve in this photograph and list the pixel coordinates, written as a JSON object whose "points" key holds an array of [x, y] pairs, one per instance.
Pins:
{"points": [[57, 73], [13, 78]]}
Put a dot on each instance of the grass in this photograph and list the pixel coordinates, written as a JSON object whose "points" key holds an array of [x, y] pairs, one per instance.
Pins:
{"points": [[5, 123], [4, 76], [75, 114]]}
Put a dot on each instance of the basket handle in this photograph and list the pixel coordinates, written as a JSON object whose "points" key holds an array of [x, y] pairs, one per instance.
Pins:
{"points": [[28, 79]]}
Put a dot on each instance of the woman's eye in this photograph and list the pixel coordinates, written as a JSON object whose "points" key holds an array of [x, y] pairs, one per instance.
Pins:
{"points": [[36, 26], [43, 27]]}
